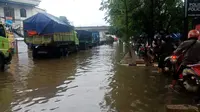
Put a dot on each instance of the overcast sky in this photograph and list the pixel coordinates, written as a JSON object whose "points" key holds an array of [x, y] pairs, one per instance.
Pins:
{"points": [[80, 12]]}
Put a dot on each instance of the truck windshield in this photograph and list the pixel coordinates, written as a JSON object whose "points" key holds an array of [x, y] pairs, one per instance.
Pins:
{"points": [[2, 31]]}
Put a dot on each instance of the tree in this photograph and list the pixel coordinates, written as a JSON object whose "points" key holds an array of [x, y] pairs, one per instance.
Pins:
{"points": [[64, 19], [133, 17], [119, 15]]}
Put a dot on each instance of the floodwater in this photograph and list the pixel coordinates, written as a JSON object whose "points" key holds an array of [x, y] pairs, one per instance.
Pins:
{"points": [[89, 81]]}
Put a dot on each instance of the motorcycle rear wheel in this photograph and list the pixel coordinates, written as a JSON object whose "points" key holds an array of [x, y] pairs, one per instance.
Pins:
{"points": [[190, 85]]}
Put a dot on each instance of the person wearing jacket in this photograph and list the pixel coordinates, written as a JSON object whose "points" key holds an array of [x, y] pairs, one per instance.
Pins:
{"points": [[166, 49], [156, 46], [190, 49]]}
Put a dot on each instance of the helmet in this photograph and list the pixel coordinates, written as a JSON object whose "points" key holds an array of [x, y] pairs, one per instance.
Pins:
{"points": [[193, 34], [168, 36], [157, 36]]}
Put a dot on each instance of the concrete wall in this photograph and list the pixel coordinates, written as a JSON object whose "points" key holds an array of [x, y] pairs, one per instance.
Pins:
{"points": [[37, 10]]}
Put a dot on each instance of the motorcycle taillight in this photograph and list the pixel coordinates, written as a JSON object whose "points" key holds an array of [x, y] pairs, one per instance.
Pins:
{"points": [[181, 76], [173, 60], [174, 57]]}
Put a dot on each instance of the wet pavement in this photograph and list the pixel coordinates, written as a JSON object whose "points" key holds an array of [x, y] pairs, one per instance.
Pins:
{"points": [[89, 81]]}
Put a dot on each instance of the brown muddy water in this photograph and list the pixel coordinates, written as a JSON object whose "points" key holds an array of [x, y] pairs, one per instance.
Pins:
{"points": [[89, 81]]}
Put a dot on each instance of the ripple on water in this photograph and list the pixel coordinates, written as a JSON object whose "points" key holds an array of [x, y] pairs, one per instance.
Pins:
{"points": [[79, 82]]}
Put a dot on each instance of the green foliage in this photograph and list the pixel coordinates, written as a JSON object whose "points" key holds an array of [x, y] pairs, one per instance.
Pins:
{"points": [[133, 17], [65, 20]]}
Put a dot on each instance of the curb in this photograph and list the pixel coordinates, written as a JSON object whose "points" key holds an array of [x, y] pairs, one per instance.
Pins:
{"points": [[139, 65]]}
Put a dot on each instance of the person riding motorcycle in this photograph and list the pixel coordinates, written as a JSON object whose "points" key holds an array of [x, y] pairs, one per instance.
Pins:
{"points": [[156, 46], [166, 49], [190, 49]]}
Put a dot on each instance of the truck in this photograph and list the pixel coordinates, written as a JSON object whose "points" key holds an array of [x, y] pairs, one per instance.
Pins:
{"points": [[88, 39], [47, 34], [85, 39], [5, 49], [96, 38]]}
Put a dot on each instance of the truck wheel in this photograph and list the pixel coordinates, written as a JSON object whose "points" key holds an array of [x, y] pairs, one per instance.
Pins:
{"points": [[86, 46], [2, 64], [35, 53], [65, 52], [77, 48], [58, 52]]}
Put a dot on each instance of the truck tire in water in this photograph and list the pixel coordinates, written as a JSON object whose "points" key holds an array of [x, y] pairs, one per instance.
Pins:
{"points": [[58, 52], [2, 64], [86, 46], [77, 49], [34, 53]]}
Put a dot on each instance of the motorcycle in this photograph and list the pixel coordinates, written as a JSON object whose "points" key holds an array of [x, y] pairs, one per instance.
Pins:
{"points": [[170, 64], [141, 51], [190, 76], [151, 54]]}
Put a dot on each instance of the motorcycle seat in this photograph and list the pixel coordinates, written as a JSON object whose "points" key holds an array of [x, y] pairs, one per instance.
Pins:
{"points": [[195, 68], [194, 65]]}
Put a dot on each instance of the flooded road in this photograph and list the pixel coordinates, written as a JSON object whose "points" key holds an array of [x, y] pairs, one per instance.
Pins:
{"points": [[89, 81]]}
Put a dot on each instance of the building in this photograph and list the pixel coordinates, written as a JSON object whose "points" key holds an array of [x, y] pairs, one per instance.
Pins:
{"points": [[18, 10]]}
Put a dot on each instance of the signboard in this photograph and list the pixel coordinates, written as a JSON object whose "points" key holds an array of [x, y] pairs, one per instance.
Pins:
{"points": [[193, 8]]}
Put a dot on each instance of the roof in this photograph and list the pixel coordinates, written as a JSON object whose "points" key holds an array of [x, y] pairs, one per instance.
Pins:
{"points": [[41, 9], [22, 2]]}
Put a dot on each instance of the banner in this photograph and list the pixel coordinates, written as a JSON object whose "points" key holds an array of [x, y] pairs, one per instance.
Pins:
{"points": [[193, 8]]}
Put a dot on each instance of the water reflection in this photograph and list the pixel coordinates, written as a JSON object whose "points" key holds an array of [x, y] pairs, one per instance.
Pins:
{"points": [[57, 84], [89, 81]]}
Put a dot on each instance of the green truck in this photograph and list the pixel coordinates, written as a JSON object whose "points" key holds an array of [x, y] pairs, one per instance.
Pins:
{"points": [[5, 49], [59, 44], [47, 34]]}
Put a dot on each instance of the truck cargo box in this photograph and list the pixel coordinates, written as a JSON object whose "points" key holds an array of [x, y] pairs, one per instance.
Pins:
{"points": [[57, 38]]}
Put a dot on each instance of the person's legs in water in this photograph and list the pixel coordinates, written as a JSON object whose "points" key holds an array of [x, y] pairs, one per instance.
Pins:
{"points": [[161, 63]]}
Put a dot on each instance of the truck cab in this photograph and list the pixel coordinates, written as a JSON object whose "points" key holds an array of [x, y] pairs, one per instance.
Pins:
{"points": [[5, 51]]}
